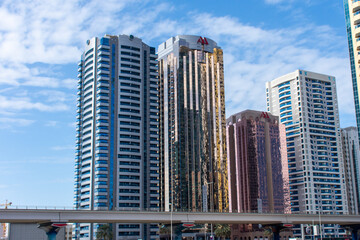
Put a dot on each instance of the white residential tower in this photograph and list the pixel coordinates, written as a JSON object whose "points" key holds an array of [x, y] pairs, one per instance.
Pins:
{"points": [[307, 104], [117, 133]]}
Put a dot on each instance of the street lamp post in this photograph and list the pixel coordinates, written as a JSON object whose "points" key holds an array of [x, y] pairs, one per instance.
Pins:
{"points": [[171, 208], [171, 230], [320, 231], [211, 205]]}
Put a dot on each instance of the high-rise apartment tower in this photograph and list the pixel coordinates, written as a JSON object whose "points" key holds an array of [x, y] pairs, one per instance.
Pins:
{"points": [[307, 105], [117, 133], [351, 153], [352, 18], [192, 125]]}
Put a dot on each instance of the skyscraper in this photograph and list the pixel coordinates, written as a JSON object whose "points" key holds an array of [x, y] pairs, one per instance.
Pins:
{"points": [[257, 163], [258, 170], [352, 17], [351, 153], [307, 105], [192, 125], [117, 132]]}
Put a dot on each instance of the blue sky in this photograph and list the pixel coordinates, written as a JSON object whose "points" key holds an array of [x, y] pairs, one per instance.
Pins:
{"points": [[41, 43]]}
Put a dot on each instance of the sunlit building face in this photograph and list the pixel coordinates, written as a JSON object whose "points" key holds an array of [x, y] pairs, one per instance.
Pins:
{"points": [[306, 103], [192, 125], [257, 156], [116, 163]]}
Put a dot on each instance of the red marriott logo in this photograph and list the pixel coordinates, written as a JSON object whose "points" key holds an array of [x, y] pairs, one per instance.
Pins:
{"points": [[265, 115], [203, 41]]}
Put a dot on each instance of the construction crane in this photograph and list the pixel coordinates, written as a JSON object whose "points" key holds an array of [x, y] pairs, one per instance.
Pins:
{"points": [[4, 226], [6, 204]]}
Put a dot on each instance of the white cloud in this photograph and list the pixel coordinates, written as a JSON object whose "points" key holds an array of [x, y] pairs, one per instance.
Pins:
{"points": [[55, 32], [72, 125], [61, 148], [8, 123], [52, 96], [51, 123], [69, 83], [254, 55], [39, 160], [17, 104]]}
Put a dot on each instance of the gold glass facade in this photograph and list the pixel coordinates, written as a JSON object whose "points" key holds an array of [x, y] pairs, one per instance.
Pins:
{"points": [[192, 126]]}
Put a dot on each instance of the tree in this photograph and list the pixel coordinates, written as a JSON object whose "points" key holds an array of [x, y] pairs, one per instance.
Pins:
{"points": [[222, 230], [165, 232], [268, 232], [104, 232]]}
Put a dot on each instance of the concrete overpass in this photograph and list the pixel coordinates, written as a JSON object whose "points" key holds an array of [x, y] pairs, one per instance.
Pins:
{"points": [[88, 216]]}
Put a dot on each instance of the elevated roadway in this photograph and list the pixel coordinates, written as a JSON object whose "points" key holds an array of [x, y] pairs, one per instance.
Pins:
{"points": [[88, 216]]}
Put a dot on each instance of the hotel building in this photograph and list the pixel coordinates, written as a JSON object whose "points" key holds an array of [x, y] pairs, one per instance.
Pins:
{"points": [[257, 160], [258, 169], [117, 159], [193, 166], [306, 103]]}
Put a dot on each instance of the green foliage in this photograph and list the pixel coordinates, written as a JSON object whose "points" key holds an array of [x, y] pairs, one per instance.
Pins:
{"points": [[222, 230], [164, 229], [104, 232], [268, 232]]}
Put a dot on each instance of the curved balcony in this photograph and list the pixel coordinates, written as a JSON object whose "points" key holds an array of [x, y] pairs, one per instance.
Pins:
{"points": [[103, 71], [356, 19], [355, 6], [101, 97], [102, 91], [103, 58], [357, 32], [102, 46], [102, 77], [103, 51], [103, 83], [90, 96], [102, 104], [103, 64]]}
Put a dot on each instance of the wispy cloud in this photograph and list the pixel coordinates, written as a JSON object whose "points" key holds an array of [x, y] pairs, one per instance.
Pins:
{"points": [[69, 83], [253, 54], [6, 123], [51, 123], [72, 125], [38, 37], [16, 104], [48, 160], [2, 186], [61, 148]]}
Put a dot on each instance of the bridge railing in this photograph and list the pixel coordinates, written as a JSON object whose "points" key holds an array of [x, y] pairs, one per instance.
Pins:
{"points": [[22, 207], [29, 207]]}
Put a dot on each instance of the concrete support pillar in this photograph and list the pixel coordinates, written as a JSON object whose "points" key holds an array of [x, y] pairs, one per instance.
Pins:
{"points": [[178, 232], [276, 228], [51, 235], [354, 235], [354, 230], [276, 232], [51, 229]]}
